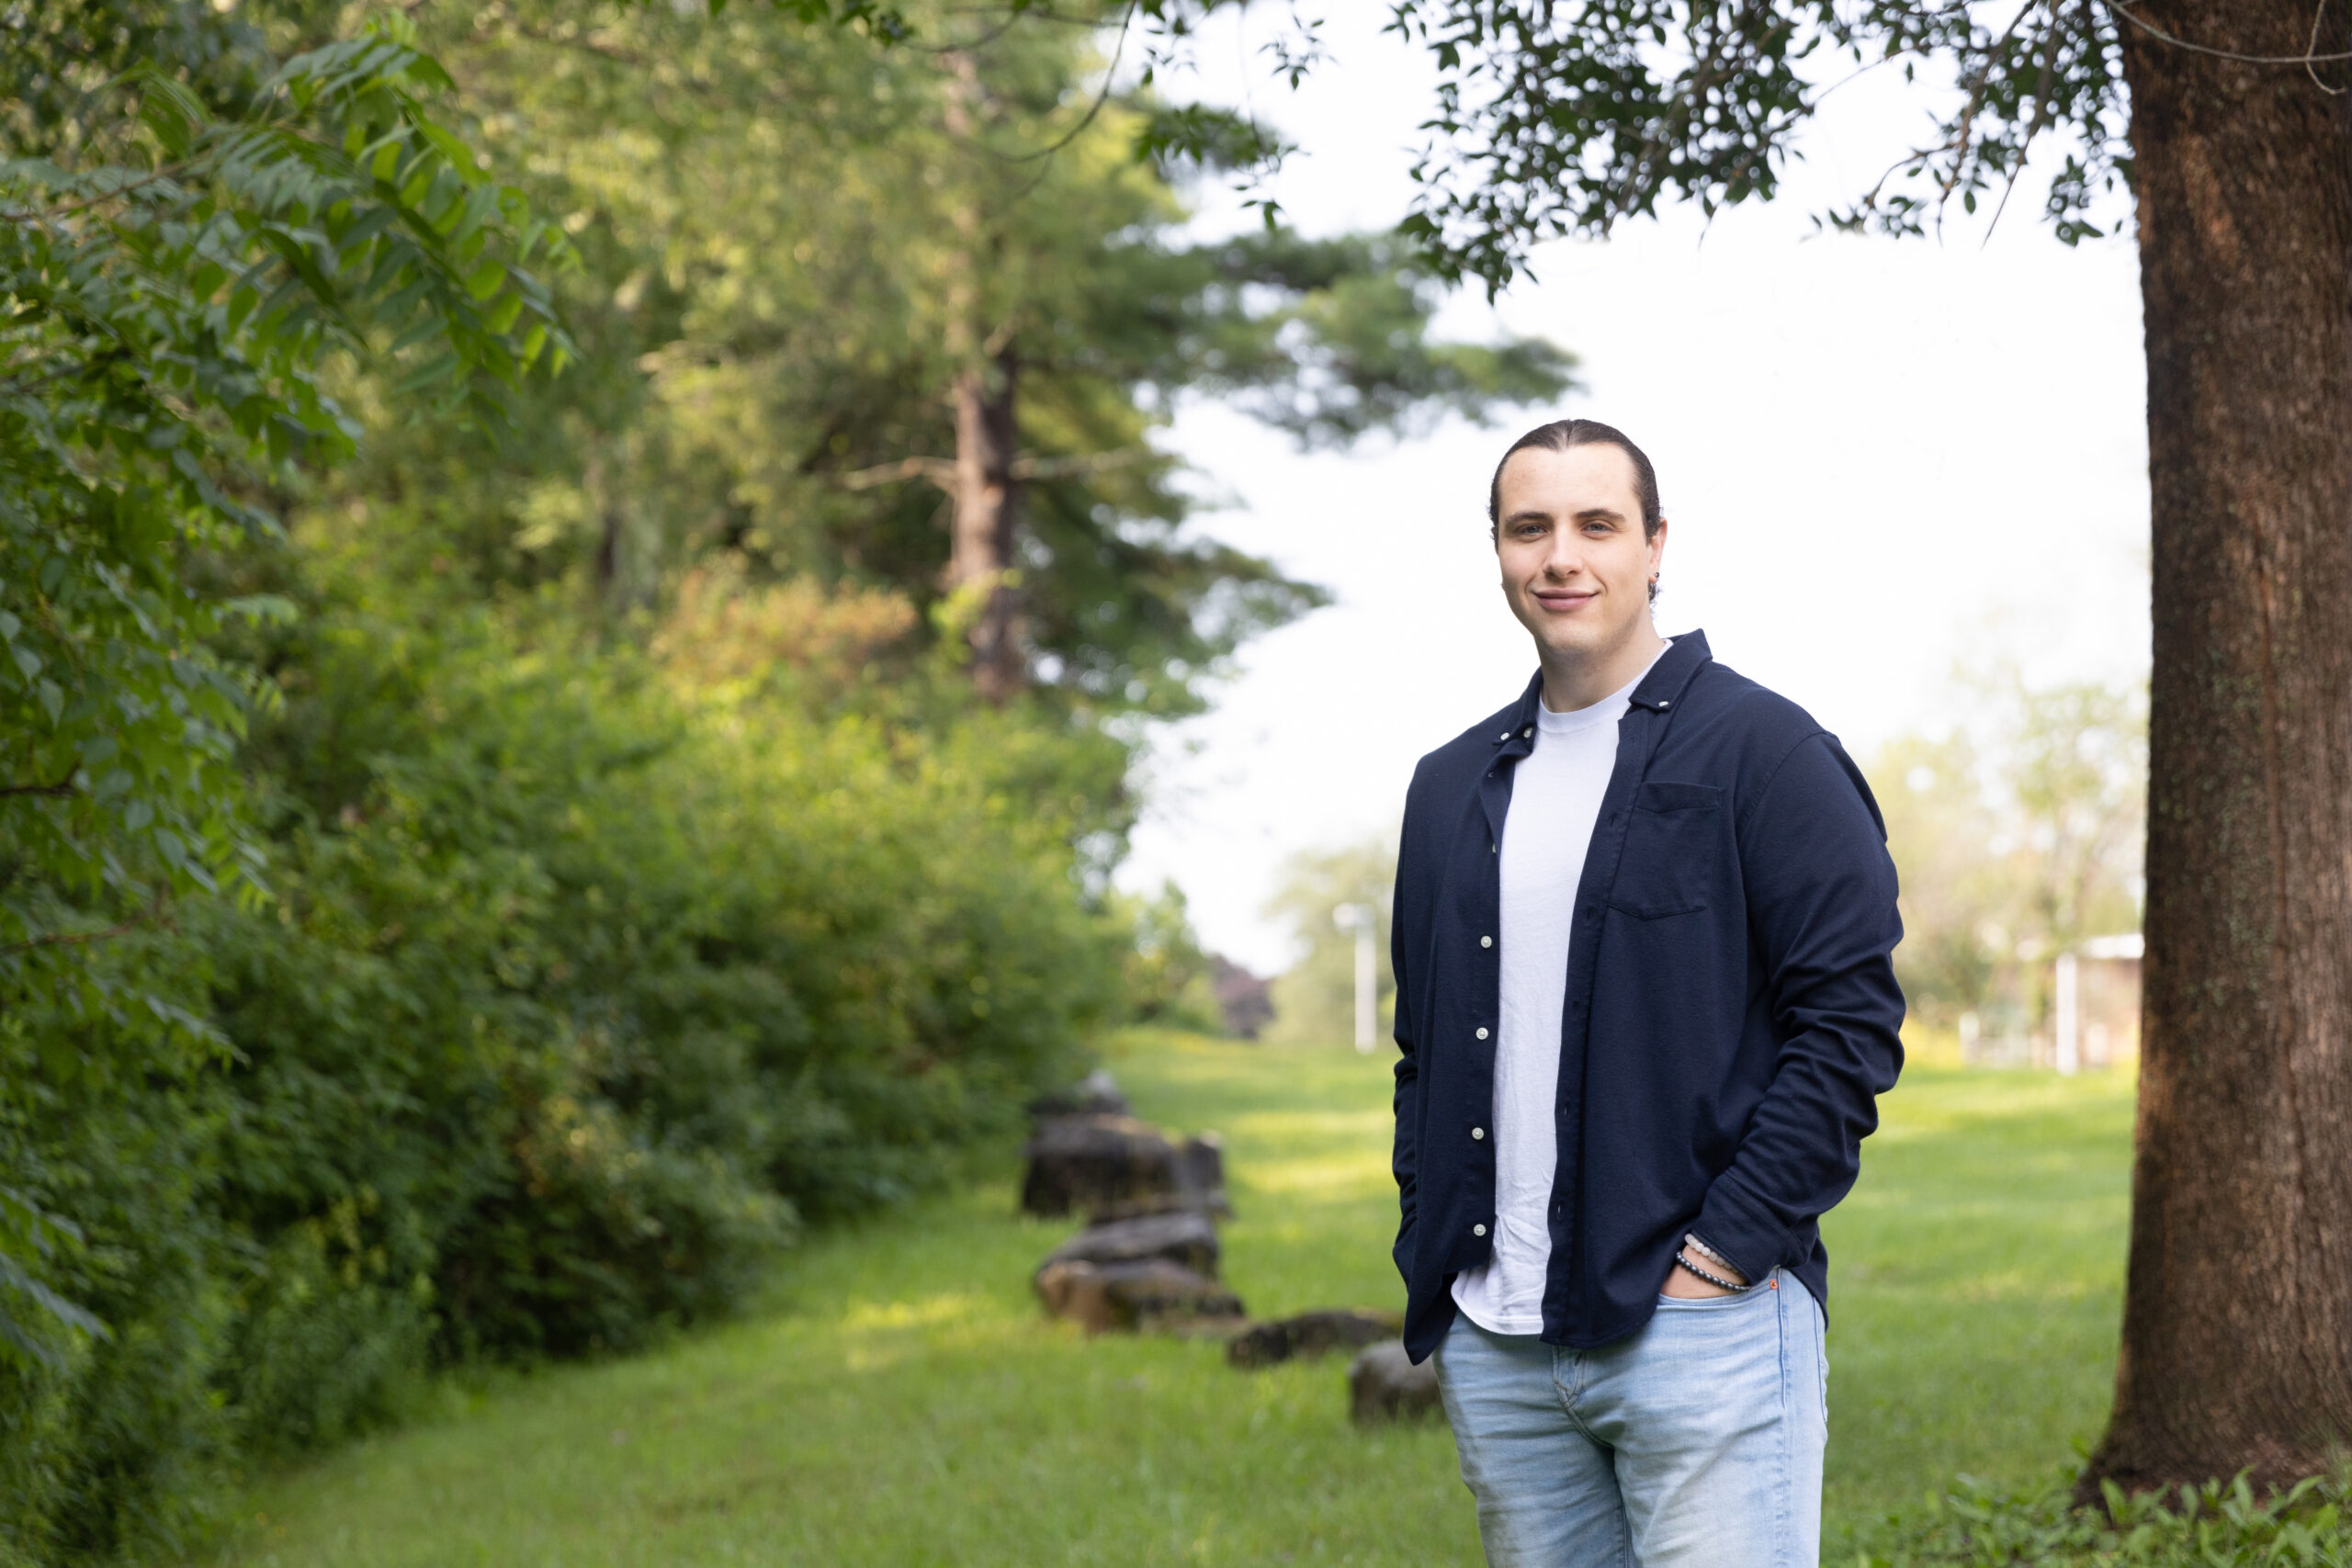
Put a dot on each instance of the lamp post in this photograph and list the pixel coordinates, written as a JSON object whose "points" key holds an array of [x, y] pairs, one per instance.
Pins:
{"points": [[1361, 919]]}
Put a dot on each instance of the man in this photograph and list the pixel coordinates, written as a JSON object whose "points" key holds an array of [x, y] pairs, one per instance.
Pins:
{"points": [[1645, 999]]}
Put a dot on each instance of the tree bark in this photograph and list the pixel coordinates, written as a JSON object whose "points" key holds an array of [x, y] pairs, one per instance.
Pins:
{"points": [[985, 497], [2237, 1320], [987, 514]]}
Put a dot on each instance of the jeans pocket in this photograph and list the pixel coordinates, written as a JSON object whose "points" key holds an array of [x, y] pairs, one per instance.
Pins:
{"points": [[1717, 1303]]}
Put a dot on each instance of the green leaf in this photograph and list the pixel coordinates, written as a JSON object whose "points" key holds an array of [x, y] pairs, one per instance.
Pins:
{"points": [[173, 114]]}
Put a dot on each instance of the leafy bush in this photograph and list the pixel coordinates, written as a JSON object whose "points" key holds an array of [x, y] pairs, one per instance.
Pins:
{"points": [[2218, 1525], [174, 275], [579, 995]]}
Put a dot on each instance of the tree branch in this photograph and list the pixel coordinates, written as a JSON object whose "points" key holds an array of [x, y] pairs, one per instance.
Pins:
{"points": [[940, 471], [1080, 467], [72, 939]]}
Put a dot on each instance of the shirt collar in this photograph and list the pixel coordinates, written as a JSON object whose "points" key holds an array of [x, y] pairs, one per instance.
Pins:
{"points": [[1658, 691], [1662, 686]]}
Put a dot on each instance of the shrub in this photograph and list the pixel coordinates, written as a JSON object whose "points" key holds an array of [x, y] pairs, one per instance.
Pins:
{"points": [[2218, 1525], [576, 1000]]}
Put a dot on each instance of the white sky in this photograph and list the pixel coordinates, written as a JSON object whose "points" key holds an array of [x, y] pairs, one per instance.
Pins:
{"points": [[1880, 459]]}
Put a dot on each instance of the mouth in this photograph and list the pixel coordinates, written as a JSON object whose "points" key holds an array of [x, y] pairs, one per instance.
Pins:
{"points": [[1560, 600]]}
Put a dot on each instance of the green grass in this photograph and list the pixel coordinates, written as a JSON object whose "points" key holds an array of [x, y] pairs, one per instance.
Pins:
{"points": [[901, 1402]]}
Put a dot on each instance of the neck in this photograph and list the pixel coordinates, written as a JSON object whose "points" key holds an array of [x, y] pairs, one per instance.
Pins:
{"points": [[1577, 678]]}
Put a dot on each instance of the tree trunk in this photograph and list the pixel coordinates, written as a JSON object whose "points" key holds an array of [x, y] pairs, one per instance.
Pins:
{"points": [[2237, 1320], [986, 498], [610, 526], [987, 512]]}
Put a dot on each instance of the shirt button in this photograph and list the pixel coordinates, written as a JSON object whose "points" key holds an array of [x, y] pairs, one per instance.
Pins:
{"points": [[1661, 704], [1478, 1230], [1486, 941], [1478, 1131], [1482, 1035], [1504, 735], [1529, 731]]}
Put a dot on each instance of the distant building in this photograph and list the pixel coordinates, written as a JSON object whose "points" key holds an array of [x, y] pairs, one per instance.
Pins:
{"points": [[1245, 1001], [2093, 1017], [2095, 1021]]}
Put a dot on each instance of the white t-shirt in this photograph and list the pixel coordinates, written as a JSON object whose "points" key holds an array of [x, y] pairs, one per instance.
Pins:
{"points": [[1555, 801]]}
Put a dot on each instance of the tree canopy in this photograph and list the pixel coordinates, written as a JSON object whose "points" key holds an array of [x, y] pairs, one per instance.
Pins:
{"points": [[800, 245]]}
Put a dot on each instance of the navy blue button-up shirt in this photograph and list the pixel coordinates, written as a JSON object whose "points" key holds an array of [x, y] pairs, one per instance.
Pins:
{"points": [[1730, 1012]]}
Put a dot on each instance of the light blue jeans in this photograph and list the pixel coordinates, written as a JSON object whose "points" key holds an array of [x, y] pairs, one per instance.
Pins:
{"points": [[1696, 1442]]}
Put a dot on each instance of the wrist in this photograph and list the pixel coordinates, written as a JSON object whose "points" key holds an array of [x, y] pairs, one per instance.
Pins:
{"points": [[1714, 1261], [1725, 1279]]}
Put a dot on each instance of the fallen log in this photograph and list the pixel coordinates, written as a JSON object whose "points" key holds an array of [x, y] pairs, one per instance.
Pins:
{"points": [[1182, 1237], [1108, 1165], [1129, 1297], [1309, 1335]]}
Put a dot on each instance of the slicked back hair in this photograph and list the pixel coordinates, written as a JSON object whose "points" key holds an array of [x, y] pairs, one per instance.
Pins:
{"points": [[1563, 434]]}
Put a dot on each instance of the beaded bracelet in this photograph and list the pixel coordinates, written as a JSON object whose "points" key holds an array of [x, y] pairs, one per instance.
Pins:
{"points": [[1704, 1251], [1710, 1278]]}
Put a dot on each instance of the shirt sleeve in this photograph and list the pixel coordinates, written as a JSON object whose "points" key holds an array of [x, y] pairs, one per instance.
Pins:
{"points": [[1821, 908], [1404, 1160]]}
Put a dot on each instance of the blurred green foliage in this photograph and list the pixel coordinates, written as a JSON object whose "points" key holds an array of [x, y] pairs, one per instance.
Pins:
{"points": [[183, 240], [487, 858], [1315, 999], [1170, 978], [2017, 834], [796, 241], [577, 996]]}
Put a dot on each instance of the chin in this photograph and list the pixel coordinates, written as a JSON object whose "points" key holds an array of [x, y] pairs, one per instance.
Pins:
{"points": [[1580, 639]]}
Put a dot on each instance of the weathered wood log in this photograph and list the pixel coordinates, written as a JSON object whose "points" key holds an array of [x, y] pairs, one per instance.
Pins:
{"points": [[1309, 1335], [1115, 1165], [1384, 1385], [1182, 1237], [1145, 1294], [1085, 1162]]}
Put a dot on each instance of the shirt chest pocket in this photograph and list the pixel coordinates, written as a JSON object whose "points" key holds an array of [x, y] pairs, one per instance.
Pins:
{"points": [[1673, 846]]}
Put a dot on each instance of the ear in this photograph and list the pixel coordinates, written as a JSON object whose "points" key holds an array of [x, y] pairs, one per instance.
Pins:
{"points": [[1657, 546]]}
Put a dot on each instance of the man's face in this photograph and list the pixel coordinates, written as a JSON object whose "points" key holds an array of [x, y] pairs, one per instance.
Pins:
{"points": [[1568, 534]]}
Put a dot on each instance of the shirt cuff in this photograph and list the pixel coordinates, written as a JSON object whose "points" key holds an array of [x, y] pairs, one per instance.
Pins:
{"points": [[1736, 1224]]}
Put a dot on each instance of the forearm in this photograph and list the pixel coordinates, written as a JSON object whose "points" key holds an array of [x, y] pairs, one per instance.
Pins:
{"points": [[1801, 1153], [1821, 908]]}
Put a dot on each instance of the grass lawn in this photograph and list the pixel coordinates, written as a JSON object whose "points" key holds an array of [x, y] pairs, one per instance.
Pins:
{"points": [[901, 1402]]}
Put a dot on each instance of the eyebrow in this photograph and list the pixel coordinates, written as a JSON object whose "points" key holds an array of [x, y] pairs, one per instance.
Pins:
{"points": [[1590, 515]]}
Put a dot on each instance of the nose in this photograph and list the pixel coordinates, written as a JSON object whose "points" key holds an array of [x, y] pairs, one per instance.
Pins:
{"points": [[1565, 558]]}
